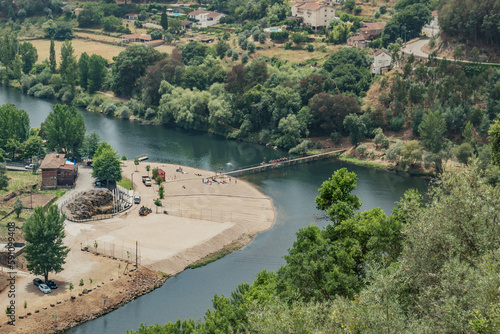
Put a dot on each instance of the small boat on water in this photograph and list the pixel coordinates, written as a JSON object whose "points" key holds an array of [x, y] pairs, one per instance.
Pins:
{"points": [[143, 157]]}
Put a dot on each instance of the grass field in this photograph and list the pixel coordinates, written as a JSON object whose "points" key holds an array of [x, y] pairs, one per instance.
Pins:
{"points": [[91, 47], [18, 180]]}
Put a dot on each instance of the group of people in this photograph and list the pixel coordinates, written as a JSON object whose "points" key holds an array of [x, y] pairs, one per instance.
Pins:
{"points": [[213, 179], [275, 161]]}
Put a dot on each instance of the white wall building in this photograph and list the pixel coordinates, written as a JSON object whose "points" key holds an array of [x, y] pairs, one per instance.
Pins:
{"points": [[205, 18], [314, 14], [381, 62]]}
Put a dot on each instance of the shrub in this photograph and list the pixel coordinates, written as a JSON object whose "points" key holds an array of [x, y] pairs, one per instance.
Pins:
{"points": [[150, 113], [361, 149], [278, 35], [301, 148], [244, 58], [46, 92], [288, 45], [109, 108], [124, 112], [310, 47]]}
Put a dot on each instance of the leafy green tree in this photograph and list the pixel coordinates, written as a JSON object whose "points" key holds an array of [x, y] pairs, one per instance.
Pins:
{"points": [[83, 67], [468, 133], [29, 56], [106, 164], [355, 127], [68, 67], [14, 125], [411, 152], [91, 16], [4, 180], [18, 207], [130, 65], [136, 163], [111, 23], [44, 234], [161, 192], [97, 72], [221, 48], [90, 145], [335, 196], [52, 56], [64, 129], [494, 133], [406, 22], [464, 152], [299, 38], [432, 130]]}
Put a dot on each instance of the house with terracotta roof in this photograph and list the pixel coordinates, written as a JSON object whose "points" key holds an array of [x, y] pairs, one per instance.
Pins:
{"points": [[205, 18], [382, 62], [186, 25], [314, 14], [57, 172], [358, 41], [372, 30], [136, 38]]}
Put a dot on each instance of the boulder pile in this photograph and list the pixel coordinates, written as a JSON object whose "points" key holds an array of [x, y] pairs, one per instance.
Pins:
{"points": [[91, 203]]}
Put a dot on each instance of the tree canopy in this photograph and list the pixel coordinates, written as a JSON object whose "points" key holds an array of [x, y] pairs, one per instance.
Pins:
{"points": [[106, 164], [64, 129], [44, 234]]}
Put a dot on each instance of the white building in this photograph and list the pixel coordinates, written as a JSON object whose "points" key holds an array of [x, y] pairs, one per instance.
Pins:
{"points": [[382, 62], [314, 14], [205, 18]]}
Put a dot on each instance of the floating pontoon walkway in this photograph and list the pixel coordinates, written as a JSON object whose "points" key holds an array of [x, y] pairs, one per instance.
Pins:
{"points": [[284, 163]]}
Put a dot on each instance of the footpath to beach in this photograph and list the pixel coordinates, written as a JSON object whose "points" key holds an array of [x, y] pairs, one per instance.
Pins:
{"points": [[206, 214]]}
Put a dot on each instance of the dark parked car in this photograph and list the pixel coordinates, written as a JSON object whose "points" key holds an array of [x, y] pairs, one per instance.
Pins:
{"points": [[37, 281], [51, 284], [100, 184]]}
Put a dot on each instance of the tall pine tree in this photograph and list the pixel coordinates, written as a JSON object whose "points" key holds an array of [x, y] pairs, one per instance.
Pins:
{"points": [[52, 56], [164, 19], [83, 67]]}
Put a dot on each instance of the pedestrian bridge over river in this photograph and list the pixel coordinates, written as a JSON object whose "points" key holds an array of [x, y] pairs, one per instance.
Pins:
{"points": [[284, 162]]}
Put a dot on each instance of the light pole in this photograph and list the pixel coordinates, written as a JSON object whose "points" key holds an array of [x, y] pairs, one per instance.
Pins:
{"points": [[132, 180]]}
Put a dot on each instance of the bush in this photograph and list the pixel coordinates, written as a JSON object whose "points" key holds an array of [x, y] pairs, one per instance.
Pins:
{"points": [[310, 47], [82, 100], [383, 9], [109, 108], [288, 45], [244, 58], [301, 148], [464, 152], [138, 24], [396, 123], [124, 112], [150, 113], [278, 35], [27, 81], [46, 92], [361, 149], [336, 137], [67, 97], [377, 14], [156, 35]]}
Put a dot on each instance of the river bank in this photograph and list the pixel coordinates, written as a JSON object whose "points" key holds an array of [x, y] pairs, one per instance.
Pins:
{"points": [[203, 217]]}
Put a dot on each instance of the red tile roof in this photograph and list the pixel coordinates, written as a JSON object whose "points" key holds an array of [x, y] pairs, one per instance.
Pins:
{"points": [[214, 15], [186, 23], [434, 13], [309, 5], [378, 52], [357, 38], [198, 12], [53, 160]]}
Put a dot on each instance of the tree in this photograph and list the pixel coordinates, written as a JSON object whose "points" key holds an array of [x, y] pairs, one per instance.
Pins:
{"points": [[44, 234], [71, 287], [221, 48], [494, 133], [4, 180], [329, 112], [164, 19], [91, 16], [83, 67], [136, 163], [161, 192], [148, 168], [18, 207], [14, 125], [411, 152], [69, 67], [464, 152], [52, 56], [335, 196], [106, 164], [130, 65], [29, 56], [64, 129], [90, 144], [97, 72], [356, 128], [299, 38], [432, 129]]}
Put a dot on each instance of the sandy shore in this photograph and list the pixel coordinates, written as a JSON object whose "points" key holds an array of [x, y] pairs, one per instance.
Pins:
{"points": [[202, 220]]}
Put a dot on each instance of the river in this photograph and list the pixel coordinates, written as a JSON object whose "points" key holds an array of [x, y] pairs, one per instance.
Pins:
{"points": [[293, 190]]}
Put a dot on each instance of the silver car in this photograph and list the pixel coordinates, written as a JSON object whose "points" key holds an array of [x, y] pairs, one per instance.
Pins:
{"points": [[44, 288]]}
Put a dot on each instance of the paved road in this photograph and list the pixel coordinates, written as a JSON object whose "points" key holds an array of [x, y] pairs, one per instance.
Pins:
{"points": [[416, 48]]}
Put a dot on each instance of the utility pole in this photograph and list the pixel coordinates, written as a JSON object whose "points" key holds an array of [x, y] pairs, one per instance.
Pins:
{"points": [[136, 255]]}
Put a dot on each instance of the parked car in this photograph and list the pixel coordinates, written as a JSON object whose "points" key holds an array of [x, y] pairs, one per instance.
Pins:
{"points": [[89, 163], [100, 184], [44, 288], [30, 166], [137, 199], [51, 284], [37, 281]]}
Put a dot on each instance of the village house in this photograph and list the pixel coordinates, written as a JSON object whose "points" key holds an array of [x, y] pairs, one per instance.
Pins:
{"points": [[314, 14], [77, 11], [382, 62], [358, 42], [56, 171], [205, 18], [186, 25], [132, 17], [136, 38], [372, 30]]}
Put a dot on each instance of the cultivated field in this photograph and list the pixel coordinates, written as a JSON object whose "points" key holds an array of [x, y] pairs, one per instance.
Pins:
{"points": [[91, 47]]}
